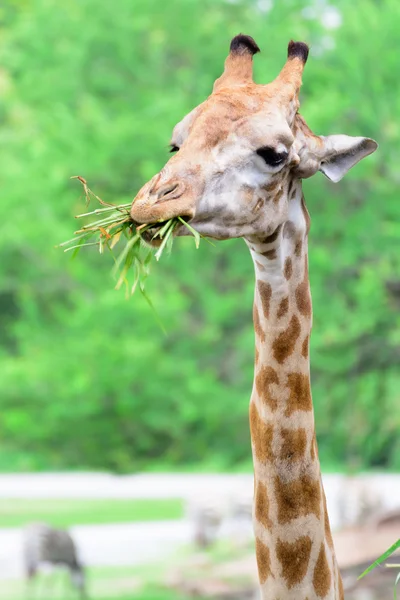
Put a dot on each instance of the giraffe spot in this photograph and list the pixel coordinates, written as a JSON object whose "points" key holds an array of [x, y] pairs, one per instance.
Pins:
{"points": [[271, 187], [288, 268], [260, 333], [270, 254], [256, 356], [263, 561], [261, 503], [304, 347], [322, 574], [341, 590], [300, 393], [306, 214], [264, 378], [298, 248], [297, 498], [260, 266], [259, 204], [278, 196], [283, 308], [294, 558], [294, 444], [284, 344], [261, 435], [303, 296], [271, 238], [265, 291], [289, 229], [328, 533]]}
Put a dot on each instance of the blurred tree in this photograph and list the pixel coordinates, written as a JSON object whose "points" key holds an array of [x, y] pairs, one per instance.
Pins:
{"points": [[88, 379]]}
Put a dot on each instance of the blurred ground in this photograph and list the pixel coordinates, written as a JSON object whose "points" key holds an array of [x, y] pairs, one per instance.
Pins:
{"points": [[343, 492], [131, 544]]}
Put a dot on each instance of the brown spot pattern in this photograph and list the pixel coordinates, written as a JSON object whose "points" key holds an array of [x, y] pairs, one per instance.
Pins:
{"points": [[294, 559], [260, 333], [271, 187], [288, 268], [261, 435], [271, 238], [303, 297], [341, 590], [306, 214], [328, 533], [264, 378], [256, 356], [260, 266], [278, 196], [265, 291], [298, 248], [283, 308], [263, 561], [294, 444], [300, 393], [304, 347], [322, 575], [284, 344], [261, 502], [270, 254], [259, 204], [297, 498]]}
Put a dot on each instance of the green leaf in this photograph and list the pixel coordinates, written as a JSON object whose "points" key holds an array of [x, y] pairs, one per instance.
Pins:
{"points": [[193, 231], [380, 560], [167, 234]]}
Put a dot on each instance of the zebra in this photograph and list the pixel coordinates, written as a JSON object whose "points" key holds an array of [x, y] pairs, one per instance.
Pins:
{"points": [[43, 544]]}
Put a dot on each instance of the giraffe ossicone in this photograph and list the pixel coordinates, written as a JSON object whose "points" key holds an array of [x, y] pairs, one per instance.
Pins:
{"points": [[237, 170]]}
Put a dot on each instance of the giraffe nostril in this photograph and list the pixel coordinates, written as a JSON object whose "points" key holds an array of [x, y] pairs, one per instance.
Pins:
{"points": [[167, 191]]}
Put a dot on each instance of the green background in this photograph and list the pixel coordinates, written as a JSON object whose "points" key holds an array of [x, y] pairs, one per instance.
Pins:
{"points": [[88, 379]]}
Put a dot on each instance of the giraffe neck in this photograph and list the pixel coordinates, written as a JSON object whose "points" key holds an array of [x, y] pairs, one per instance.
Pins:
{"points": [[294, 548]]}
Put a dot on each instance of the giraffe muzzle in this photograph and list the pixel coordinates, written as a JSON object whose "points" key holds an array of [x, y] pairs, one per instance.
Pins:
{"points": [[156, 203]]}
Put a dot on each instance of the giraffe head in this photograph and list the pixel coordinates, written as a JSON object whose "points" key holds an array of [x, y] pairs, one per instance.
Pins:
{"points": [[236, 154]]}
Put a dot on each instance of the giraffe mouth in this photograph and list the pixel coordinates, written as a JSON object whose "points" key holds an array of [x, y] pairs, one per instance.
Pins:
{"points": [[149, 238]]}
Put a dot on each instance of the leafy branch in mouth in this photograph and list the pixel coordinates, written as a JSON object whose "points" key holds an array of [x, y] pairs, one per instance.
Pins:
{"points": [[112, 225]]}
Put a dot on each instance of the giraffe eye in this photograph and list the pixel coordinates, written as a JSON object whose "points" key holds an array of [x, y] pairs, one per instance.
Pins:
{"points": [[271, 157], [173, 148]]}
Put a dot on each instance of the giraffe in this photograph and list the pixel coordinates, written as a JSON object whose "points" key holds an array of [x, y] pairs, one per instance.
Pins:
{"points": [[236, 172]]}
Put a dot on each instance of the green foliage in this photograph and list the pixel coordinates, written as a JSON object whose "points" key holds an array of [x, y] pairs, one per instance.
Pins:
{"points": [[88, 379]]}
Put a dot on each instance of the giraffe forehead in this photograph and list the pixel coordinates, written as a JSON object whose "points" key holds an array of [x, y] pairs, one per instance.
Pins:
{"points": [[245, 116]]}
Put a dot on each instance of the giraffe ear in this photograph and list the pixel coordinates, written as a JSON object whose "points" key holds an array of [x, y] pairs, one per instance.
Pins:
{"points": [[341, 152]]}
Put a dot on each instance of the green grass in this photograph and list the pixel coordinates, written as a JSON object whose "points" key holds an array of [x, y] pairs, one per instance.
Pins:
{"points": [[64, 513], [112, 583]]}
